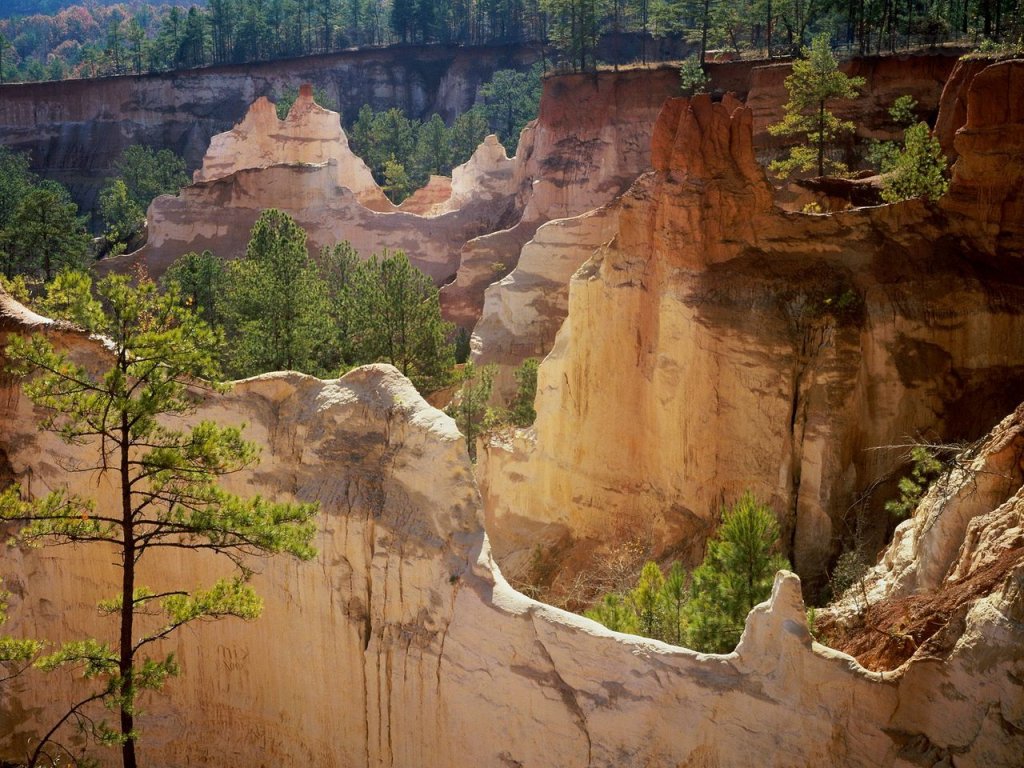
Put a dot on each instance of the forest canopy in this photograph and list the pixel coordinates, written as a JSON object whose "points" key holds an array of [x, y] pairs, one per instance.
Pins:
{"points": [[52, 39]]}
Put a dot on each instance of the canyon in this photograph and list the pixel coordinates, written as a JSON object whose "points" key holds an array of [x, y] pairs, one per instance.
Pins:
{"points": [[403, 645], [708, 316], [73, 130], [698, 341]]}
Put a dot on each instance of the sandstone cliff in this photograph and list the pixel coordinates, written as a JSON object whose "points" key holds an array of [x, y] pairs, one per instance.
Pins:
{"points": [[506, 339], [591, 139], [717, 345], [309, 135], [965, 541], [304, 167], [402, 645], [75, 129]]}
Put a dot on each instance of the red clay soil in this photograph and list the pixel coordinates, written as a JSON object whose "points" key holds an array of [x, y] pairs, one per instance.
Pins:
{"points": [[894, 629]]}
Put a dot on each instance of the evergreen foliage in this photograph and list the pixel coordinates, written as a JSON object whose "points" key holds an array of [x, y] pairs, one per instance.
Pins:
{"points": [[119, 211], [148, 173], [815, 81], [511, 100], [16, 654], [469, 406], [709, 614], [918, 170], [44, 234], [275, 309], [91, 39], [141, 175], [281, 310], [286, 100], [395, 317], [737, 574], [692, 77], [925, 468], [521, 411], [403, 153], [201, 281], [167, 497]]}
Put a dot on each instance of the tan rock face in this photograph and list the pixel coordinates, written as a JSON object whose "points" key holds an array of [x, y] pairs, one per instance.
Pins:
{"points": [[219, 215], [713, 321], [430, 199], [303, 166], [590, 141], [496, 342], [309, 135], [524, 310], [403, 645], [985, 193]]}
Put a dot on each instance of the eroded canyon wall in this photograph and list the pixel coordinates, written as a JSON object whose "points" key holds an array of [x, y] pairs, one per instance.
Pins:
{"points": [[303, 165], [75, 129], [717, 344], [402, 645], [591, 139]]}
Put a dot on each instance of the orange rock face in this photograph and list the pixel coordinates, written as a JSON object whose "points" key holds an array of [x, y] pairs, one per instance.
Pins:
{"points": [[717, 344], [986, 193], [590, 141], [403, 645]]}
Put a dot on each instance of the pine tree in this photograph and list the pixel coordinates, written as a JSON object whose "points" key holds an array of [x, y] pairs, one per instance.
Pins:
{"points": [[521, 410], [918, 170], [468, 131], [815, 81], [168, 496], [275, 306], [200, 280], [469, 406], [614, 612], [433, 150], [395, 317], [120, 212], [44, 235], [511, 100], [147, 173], [737, 574], [646, 601], [674, 598]]}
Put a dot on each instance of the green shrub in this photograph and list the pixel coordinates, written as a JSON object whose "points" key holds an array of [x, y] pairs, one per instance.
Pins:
{"points": [[737, 574]]}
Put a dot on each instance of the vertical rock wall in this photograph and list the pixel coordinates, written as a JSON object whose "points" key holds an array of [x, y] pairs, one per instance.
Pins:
{"points": [[402, 645], [717, 345]]}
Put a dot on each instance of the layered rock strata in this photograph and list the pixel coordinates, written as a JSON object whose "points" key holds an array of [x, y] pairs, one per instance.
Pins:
{"points": [[309, 135], [304, 167], [718, 345], [590, 141], [502, 340], [75, 129], [401, 644], [952, 579]]}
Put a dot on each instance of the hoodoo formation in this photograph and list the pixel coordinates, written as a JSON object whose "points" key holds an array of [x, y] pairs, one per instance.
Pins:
{"points": [[708, 347], [703, 333]]}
